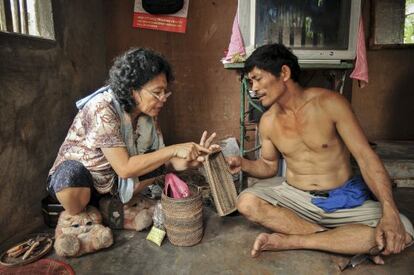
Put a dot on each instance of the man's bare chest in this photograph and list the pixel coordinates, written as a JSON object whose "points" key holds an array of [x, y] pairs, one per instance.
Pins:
{"points": [[313, 133]]}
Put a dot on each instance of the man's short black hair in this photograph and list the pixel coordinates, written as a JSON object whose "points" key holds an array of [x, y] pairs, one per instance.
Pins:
{"points": [[132, 70], [271, 58]]}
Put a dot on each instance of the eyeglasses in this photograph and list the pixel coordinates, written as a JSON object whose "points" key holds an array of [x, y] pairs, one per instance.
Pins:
{"points": [[160, 95]]}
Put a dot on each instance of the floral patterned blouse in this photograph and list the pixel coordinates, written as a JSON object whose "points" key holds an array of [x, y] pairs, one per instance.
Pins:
{"points": [[96, 126]]}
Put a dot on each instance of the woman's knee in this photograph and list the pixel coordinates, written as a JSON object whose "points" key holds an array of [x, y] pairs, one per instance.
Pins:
{"points": [[74, 199]]}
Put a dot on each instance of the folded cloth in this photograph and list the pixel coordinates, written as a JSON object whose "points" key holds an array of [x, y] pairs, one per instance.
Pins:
{"points": [[82, 102], [352, 193], [236, 46]]}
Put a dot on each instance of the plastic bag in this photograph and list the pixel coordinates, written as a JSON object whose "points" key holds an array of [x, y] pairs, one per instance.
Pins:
{"points": [[158, 217], [157, 232], [175, 187]]}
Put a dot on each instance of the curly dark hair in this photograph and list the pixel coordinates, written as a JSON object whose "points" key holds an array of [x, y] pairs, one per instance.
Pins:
{"points": [[132, 70], [271, 58]]}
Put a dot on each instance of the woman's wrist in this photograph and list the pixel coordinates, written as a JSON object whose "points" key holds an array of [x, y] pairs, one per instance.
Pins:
{"points": [[170, 151]]}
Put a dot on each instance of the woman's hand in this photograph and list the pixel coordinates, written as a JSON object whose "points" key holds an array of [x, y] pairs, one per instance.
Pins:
{"points": [[189, 151], [191, 155], [206, 143]]}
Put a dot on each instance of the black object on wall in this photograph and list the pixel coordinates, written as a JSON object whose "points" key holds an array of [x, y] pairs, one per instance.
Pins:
{"points": [[162, 6]]}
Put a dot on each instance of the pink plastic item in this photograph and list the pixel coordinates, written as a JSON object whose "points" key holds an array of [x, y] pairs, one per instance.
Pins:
{"points": [[175, 187]]}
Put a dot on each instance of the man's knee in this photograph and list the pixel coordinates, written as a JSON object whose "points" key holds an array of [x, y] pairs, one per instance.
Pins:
{"points": [[249, 205]]}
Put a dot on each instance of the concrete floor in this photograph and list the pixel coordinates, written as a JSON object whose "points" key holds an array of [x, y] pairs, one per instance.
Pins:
{"points": [[225, 249]]}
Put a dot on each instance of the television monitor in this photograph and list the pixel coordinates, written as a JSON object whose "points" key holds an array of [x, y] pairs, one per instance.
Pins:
{"points": [[317, 31]]}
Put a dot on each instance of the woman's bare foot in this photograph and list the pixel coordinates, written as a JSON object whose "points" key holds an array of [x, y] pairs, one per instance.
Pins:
{"points": [[274, 242]]}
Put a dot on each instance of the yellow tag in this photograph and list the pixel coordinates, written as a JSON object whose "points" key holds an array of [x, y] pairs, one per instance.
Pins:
{"points": [[156, 235]]}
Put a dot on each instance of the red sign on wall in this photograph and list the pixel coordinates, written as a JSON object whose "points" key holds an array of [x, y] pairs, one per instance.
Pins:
{"points": [[176, 22]]}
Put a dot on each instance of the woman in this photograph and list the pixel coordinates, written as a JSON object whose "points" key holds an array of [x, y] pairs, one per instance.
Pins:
{"points": [[114, 138]]}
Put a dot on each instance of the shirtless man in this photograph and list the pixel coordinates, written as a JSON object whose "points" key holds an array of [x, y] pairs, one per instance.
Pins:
{"points": [[315, 130]]}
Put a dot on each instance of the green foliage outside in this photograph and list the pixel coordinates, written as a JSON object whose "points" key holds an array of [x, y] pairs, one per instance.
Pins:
{"points": [[409, 22]]}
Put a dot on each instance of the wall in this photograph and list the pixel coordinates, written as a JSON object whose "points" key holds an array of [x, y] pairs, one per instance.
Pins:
{"points": [[385, 107], [39, 82], [206, 96]]}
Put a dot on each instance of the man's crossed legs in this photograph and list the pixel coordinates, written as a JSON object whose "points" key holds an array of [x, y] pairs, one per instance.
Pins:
{"points": [[301, 225]]}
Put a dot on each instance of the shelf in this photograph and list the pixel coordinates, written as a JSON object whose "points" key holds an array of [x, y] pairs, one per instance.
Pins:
{"points": [[233, 66], [342, 65]]}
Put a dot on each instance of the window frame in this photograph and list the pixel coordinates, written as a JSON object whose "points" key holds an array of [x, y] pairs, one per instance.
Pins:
{"points": [[10, 29], [374, 29]]}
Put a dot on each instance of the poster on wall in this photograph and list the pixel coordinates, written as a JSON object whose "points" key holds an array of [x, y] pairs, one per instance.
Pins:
{"points": [[175, 22]]}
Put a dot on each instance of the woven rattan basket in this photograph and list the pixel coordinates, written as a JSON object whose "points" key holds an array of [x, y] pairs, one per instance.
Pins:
{"points": [[221, 183], [183, 218]]}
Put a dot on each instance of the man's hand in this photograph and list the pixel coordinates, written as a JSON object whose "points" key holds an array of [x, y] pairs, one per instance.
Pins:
{"points": [[390, 233], [234, 163]]}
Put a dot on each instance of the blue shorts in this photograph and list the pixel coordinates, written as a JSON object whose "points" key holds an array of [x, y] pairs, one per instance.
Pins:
{"points": [[70, 173]]}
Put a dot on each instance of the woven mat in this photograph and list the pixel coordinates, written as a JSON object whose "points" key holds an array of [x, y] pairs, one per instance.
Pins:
{"points": [[43, 266], [221, 183]]}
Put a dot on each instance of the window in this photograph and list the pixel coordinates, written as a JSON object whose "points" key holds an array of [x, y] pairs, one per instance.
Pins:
{"points": [[409, 22], [392, 24], [27, 17]]}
